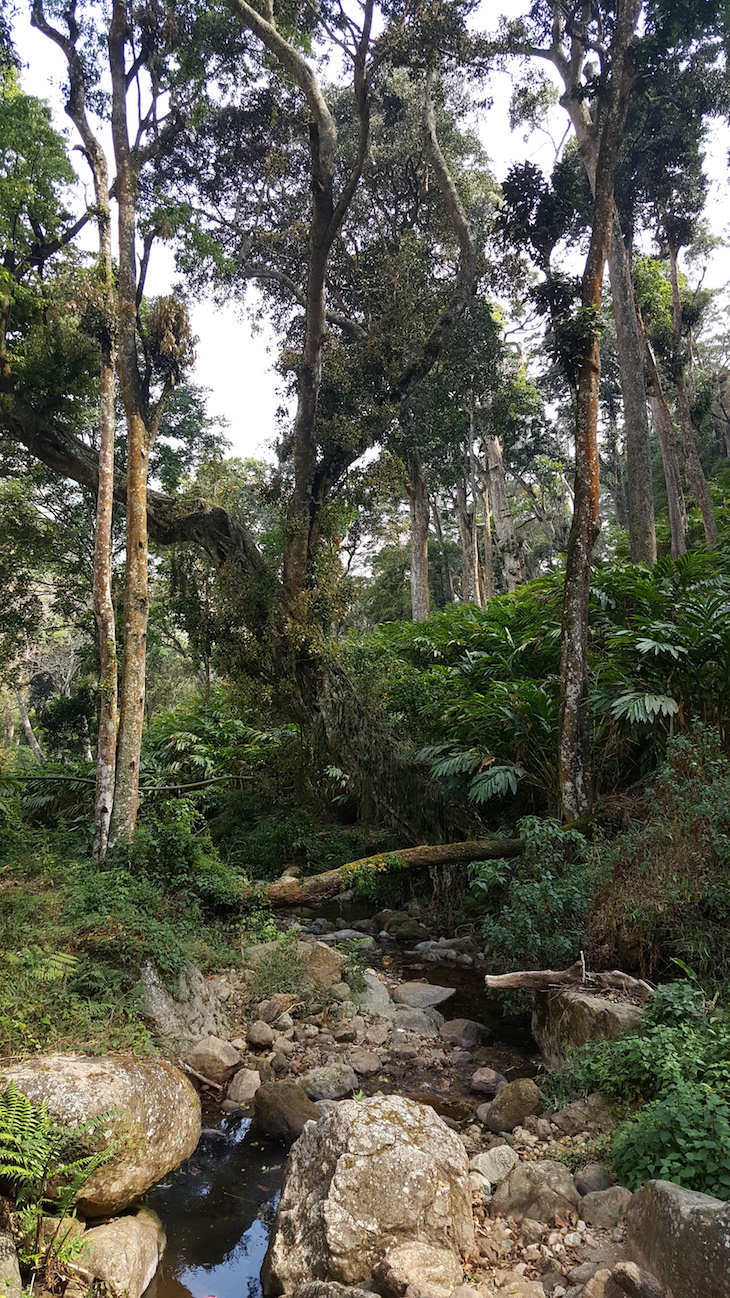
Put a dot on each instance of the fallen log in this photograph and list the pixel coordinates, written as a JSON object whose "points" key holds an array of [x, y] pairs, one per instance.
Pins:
{"points": [[321, 887], [576, 976]]}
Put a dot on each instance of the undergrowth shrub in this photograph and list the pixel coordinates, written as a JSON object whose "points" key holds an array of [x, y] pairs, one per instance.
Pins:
{"points": [[665, 892], [677, 1068], [280, 970]]}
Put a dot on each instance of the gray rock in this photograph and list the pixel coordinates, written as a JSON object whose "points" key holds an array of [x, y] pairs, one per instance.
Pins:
{"points": [[283, 1109], [531, 1231], [323, 965], [487, 1082], [155, 1117], [425, 1022], [495, 1163], [243, 1086], [513, 1104], [462, 1032], [537, 1190], [330, 1082], [593, 1177], [482, 1113], [637, 1283], [430, 1272], [214, 1058], [582, 1115], [419, 996], [375, 996], [195, 1011], [410, 931], [269, 1011], [12, 1285], [563, 1021], [605, 1208], [124, 1254], [340, 991], [682, 1238], [361, 1182], [260, 1035], [365, 1062], [331, 1289], [583, 1273]]}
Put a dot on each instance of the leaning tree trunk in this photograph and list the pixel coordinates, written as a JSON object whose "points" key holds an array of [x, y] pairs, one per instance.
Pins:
{"points": [[574, 738], [419, 511], [28, 730]]}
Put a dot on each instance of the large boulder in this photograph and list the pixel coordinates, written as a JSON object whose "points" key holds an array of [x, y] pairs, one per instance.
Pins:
{"points": [[420, 1269], [371, 1176], [605, 1208], [12, 1285], [561, 1022], [420, 995], [330, 1082], [195, 1011], [123, 1255], [214, 1059], [282, 1109], [513, 1103], [323, 967], [154, 1115], [536, 1190], [374, 997], [682, 1238]]}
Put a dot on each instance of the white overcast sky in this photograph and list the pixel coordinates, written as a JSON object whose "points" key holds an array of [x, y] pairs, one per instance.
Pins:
{"points": [[236, 363]]}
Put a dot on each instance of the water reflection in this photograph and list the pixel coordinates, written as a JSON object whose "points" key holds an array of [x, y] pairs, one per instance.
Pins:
{"points": [[217, 1211]]}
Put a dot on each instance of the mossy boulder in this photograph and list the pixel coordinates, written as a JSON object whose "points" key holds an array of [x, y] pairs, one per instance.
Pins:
{"points": [[567, 1019]]}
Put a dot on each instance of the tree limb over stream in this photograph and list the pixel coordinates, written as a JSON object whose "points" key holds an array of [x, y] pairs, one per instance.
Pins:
{"points": [[577, 976], [322, 887]]}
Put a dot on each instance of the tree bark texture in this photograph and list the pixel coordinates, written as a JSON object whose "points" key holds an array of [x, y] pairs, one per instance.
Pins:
{"points": [[321, 887], [508, 542], [445, 565], [574, 737], [576, 976], [693, 465], [666, 436], [419, 513], [469, 551], [28, 730]]}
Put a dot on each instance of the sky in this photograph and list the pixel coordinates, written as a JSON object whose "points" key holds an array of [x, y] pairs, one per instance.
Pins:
{"points": [[235, 362]]}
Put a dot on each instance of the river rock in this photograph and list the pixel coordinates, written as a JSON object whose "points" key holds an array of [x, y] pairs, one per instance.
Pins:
{"points": [[421, 995], [462, 1032], [513, 1104], [605, 1208], [410, 931], [124, 1254], [426, 1023], [260, 1035], [485, 1081], [213, 1058], [331, 1289], [323, 965], [583, 1115], [636, 1282], [495, 1164], [243, 1087], [591, 1178], [329, 1082], [369, 1177], [12, 1285], [430, 1272], [365, 1062], [682, 1238], [536, 1190], [567, 1019], [375, 996], [282, 1109], [155, 1117], [195, 1011]]}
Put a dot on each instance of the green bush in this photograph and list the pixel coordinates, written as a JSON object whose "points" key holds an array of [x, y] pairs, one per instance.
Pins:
{"points": [[683, 1137]]}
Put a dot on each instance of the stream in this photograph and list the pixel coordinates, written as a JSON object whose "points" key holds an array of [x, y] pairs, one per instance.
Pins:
{"points": [[218, 1207]]}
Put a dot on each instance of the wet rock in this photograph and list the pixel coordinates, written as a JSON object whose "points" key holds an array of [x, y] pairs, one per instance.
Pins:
{"points": [[123, 1255], [195, 1011], [537, 1190], [419, 996], [605, 1208], [462, 1032], [365, 1062], [563, 1021], [496, 1163], [375, 996], [411, 931], [9, 1269], [330, 1082], [155, 1117], [243, 1086], [214, 1059], [282, 1109], [682, 1238], [260, 1035], [513, 1104], [366, 1179], [487, 1082], [430, 1272], [592, 1177]]}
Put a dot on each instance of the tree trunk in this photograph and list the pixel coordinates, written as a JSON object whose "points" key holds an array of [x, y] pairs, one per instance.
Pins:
{"points": [[664, 429], [641, 524], [576, 976], [574, 738], [615, 475], [445, 565], [419, 511], [490, 588], [508, 542], [693, 464], [469, 556], [321, 887], [33, 744]]}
